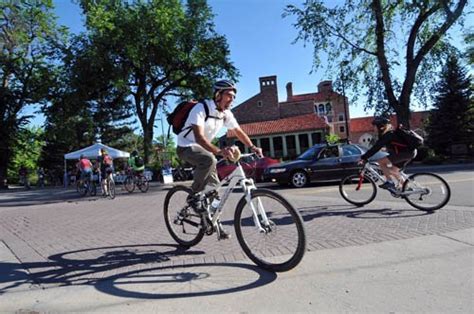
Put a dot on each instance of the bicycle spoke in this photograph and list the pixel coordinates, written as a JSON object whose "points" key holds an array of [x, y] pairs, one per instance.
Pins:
{"points": [[183, 224]]}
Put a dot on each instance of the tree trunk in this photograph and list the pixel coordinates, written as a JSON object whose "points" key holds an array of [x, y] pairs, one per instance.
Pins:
{"points": [[147, 141], [4, 161]]}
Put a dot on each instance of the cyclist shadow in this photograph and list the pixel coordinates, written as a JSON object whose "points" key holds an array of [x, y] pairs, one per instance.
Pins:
{"points": [[310, 213], [122, 271]]}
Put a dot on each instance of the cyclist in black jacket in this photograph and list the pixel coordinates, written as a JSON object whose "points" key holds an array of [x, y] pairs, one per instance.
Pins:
{"points": [[399, 153]]}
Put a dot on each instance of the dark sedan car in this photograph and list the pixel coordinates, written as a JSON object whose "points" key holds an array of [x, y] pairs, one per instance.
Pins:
{"points": [[321, 162]]}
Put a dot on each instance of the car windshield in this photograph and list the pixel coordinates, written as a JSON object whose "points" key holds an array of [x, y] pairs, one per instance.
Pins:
{"points": [[310, 153]]}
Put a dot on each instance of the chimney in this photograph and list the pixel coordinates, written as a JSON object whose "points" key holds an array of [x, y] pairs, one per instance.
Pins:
{"points": [[289, 91], [325, 87], [268, 83]]}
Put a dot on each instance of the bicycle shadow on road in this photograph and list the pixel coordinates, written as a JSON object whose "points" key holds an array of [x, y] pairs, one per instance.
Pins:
{"points": [[313, 212], [117, 270]]}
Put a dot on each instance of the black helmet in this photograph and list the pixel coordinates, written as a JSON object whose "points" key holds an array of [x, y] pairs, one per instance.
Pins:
{"points": [[224, 85], [82, 156], [135, 153], [380, 121]]}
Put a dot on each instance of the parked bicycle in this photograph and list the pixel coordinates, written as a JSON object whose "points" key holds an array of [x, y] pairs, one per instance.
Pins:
{"points": [[182, 173], [136, 180], [424, 191], [268, 228], [87, 185]]}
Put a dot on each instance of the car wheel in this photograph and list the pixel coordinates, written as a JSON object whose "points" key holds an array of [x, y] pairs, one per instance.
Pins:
{"points": [[299, 179]]}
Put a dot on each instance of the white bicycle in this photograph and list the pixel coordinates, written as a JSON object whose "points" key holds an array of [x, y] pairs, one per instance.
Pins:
{"points": [[268, 227], [425, 191]]}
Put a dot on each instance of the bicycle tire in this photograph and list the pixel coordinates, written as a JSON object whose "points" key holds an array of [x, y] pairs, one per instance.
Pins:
{"points": [[111, 188], [93, 189], [82, 189], [433, 184], [143, 184], [179, 215], [286, 223], [129, 184], [358, 197]]}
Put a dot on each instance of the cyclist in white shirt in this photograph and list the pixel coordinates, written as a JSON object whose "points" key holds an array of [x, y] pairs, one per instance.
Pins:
{"points": [[194, 141]]}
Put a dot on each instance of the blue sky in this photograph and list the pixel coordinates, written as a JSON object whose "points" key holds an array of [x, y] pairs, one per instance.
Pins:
{"points": [[260, 41]]}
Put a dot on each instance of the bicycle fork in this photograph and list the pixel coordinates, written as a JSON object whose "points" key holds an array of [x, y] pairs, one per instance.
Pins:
{"points": [[248, 186]]}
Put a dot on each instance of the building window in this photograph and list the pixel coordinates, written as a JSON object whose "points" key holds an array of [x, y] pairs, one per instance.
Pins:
{"points": [[328, 108], [342, 129], [265, 145], [304, 142], [240, 145], [316, 138], [278, 147], [323, 109], [291, 146], [341, 117], [259, 103], [329, 119]]}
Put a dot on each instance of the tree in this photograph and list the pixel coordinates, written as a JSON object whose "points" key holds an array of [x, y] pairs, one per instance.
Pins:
{"points": [[452, 119], [371, 35], [26, 151], [28, 41], [160, 49]]}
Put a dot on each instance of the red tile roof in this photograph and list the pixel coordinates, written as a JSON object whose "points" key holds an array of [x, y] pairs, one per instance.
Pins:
{"points": [[292, 124], [365, 124]]}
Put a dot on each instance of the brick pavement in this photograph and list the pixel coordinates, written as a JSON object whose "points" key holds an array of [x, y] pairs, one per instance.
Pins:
{"points": [[82, 241]]}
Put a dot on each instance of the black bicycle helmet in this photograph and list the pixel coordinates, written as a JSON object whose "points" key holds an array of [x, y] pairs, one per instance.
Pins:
{"points": [[135, 153], [380, 121], [223, 85]]}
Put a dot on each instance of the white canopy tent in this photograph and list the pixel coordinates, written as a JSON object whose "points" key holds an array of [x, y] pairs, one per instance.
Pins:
{"points": [[92, 152]]}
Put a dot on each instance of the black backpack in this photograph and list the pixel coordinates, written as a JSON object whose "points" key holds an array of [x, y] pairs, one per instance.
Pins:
{"points": [[139, 161], [411, 138], [177, 118]]}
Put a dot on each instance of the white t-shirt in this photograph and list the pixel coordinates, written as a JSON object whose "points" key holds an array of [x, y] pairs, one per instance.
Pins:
{"points": [[197, 116]]}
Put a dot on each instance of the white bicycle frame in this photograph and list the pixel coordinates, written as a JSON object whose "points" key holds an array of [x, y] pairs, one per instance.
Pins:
{"points": [[373, 169], [236, 178]]}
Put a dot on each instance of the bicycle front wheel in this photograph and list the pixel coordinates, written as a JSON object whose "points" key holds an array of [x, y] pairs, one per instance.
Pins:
{"points": [[358, 191], [426, 191], [281, 243], [143, 184], [111, 188], [129, 184], [183, 224]]}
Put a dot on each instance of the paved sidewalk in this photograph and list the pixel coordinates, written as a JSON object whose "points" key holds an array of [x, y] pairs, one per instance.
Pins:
{"points": [[63, 253], [431, 274]]}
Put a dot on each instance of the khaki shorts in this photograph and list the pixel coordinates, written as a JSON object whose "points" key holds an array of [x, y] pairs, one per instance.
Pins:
{"points": [[402, 159]]}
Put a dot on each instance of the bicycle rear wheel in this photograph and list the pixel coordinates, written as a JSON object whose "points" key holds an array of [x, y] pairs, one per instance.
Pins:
{"points": [[143, 184], [129, 184], [426, 191], [282, 243], [358, 191], [183, 224], [111, 188], [93, 188]]}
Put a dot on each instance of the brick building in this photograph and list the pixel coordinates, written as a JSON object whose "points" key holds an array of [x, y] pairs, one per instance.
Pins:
{"points": [[286, 129]]}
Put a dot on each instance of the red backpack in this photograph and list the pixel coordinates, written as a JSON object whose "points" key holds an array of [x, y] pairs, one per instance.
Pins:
{"points": [[177, 118]]}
